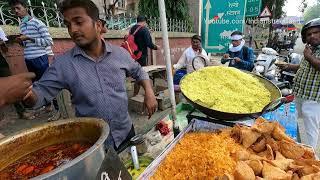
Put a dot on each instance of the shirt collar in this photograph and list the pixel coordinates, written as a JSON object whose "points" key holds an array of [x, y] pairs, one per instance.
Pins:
{"points": [[31, 19], [78, 51]]}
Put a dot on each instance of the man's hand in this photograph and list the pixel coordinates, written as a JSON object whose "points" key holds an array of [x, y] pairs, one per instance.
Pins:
{"points": [[237, 59], [14, 88], [22, 38], [226, 56], [308, 53], [30, 99], [151, 103], [283, 66]]}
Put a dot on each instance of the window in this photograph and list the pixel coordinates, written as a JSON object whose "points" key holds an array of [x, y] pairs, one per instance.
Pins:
{"points": [[122, 4]]}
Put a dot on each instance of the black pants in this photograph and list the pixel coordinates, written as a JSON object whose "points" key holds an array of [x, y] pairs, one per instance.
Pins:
{"points": [[143, 61]]}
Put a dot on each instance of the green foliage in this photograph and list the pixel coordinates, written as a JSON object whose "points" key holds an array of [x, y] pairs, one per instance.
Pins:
{"points": [[311, 13], [175, 9], [279, 4]]}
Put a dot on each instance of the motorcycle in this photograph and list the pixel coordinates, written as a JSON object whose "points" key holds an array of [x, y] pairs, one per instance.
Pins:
{"points": [[294, 58], [265, 65]]}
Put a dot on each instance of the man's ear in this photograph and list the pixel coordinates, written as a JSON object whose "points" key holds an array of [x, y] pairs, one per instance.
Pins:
{"points": [[99, 25]]}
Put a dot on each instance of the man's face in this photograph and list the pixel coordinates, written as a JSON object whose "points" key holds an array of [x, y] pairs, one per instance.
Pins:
{"points": [[82, 29], [19, 10], [236, 43], [313, 36], [196, 44]]}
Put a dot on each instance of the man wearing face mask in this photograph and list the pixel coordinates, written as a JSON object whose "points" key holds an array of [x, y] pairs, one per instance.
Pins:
{"points": [[36, 41], [306, 86], [190, 53], [241, 55], [34, 37]]}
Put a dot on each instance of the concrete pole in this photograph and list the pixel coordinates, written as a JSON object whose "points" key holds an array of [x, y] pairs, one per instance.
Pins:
{"points": [[200, 17], [166, 47]]}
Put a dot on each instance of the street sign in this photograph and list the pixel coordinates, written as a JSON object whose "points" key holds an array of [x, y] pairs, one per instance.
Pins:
{"points": [[253, 8], [266, 12], [219, 20]]}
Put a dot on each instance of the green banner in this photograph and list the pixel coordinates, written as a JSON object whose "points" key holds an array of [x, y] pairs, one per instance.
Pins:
{"points": [[219, 20], [253, 8]]}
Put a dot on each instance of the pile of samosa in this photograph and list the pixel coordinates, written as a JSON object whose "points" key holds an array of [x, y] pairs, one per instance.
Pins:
{"points": [[270, 154]]}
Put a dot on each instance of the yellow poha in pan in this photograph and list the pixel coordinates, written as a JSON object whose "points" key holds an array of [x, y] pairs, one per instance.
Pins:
{"points": [[226, 89]]}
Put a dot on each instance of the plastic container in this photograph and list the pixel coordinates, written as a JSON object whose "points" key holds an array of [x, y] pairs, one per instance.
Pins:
{"points": [[279, 116], [292, 126], [178, 76], [140, 143]]}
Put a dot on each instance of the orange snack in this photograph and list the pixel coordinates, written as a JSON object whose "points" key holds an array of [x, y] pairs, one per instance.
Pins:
{"points": [[199, 155]]}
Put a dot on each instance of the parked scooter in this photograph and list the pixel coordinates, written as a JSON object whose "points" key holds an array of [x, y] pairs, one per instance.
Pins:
{"points": [[293, 58], [266, 67]]}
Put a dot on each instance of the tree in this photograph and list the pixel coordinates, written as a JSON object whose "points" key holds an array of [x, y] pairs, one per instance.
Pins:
{"points": [[312, 12], [175, 9]]}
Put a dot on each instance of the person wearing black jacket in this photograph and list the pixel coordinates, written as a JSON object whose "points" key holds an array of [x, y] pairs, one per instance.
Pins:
{"points": [[143, 40]]}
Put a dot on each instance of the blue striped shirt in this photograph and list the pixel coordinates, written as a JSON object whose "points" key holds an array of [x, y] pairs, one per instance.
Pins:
{"points": [[37, 30], [98, 88]]}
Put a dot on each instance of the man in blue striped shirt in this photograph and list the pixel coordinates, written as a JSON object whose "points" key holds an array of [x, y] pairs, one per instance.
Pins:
{"points": [[34, 37]]}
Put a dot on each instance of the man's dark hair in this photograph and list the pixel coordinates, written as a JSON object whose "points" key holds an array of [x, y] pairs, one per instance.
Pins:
{"points": [[236, 33], [196, 37], [141, 18], [91, 9], [15, 2]]}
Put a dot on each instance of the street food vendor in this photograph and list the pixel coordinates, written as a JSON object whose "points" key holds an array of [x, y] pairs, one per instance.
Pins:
{"points": [[242, 56], [95, 72], [190, 53]]}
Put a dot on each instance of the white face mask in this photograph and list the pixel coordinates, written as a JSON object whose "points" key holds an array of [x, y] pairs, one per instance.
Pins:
{"points": [[237, 48]]}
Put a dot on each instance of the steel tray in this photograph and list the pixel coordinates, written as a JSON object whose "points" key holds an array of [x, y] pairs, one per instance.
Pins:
{"points": [[194, 126]]}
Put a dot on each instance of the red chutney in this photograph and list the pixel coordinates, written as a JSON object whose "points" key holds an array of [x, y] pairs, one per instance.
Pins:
{"points": [[43, 160]]}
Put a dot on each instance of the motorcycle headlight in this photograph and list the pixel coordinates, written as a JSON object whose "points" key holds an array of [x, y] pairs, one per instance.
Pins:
{"points": [[260, 69]]}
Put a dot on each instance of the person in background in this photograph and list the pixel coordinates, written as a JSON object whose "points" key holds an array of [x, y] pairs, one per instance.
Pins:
{"points": [[94, 72], [275, 40], [293, 39], [185, 61], [306, 86], [242, 56], [35, 39], [144, 41]]}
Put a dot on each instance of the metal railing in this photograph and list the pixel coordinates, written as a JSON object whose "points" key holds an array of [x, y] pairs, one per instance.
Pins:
{"points": [[124, 23], [52, 18], [49, 15]]}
